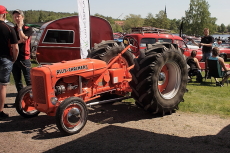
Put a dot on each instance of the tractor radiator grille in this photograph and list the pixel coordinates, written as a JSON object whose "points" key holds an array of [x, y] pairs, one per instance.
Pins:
{"points": [[39, 87]]}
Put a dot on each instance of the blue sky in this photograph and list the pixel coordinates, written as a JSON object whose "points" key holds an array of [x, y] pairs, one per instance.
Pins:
{"points": [[114, 8]]}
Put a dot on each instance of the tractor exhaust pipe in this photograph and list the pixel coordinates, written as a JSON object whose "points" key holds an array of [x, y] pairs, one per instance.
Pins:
{"points": [[106, 101]]}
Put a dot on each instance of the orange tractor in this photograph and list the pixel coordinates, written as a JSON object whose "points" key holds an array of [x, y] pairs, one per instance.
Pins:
{"points": [[156, 79]]}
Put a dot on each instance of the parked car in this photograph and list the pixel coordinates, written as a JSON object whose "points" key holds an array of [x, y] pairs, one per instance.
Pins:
{"points": [[150, 35], [191, 45], [198, 55], [118, 37], [224, 52]]}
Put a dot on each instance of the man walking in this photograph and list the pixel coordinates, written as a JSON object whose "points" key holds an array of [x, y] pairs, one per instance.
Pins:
{"points": [[8, 55], [22, 64]]}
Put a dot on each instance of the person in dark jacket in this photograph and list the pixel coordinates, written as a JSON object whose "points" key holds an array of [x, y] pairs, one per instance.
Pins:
{"points": [[22, 64], [8, 55]]}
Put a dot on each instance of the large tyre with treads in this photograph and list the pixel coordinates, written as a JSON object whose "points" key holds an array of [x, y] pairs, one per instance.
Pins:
{"points": [[108, 50], [159, 78]]}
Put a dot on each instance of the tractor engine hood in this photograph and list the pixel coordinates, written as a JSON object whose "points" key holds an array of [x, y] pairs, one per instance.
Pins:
{"points": [[86, 68]]}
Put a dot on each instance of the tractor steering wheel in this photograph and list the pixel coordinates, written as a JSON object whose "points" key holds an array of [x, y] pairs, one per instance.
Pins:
{"points": [[129, 40]]}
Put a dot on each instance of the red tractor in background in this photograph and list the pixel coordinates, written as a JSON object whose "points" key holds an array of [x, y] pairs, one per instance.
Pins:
{"points": [[156, 77]]}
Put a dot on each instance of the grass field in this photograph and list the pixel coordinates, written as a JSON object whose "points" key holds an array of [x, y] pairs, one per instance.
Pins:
{"points": [[203, 98], [206, 98]]}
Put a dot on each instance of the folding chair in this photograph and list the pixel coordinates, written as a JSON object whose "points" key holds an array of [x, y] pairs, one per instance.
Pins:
{"points": [[215, 69]]}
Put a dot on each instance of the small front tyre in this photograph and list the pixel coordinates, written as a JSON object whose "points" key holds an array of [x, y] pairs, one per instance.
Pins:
{"points": [[71, 115], [24, 103]]}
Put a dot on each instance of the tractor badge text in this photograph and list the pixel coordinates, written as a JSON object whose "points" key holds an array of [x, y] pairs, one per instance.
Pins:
{"points": [[72, 69]]}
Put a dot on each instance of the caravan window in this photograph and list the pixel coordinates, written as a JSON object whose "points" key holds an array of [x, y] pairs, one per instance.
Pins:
{"points": [[59, 37]]}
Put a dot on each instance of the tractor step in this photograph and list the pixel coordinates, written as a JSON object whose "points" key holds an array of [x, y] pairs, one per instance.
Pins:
{"points": [[107, 101]]}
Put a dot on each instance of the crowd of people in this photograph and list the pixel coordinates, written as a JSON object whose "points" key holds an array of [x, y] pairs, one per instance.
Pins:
{"points": [[15, 53], [209, 53]]}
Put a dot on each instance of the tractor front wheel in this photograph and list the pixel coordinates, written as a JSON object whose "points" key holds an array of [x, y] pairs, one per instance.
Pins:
{"points": [[71, 115], [24, 103]]}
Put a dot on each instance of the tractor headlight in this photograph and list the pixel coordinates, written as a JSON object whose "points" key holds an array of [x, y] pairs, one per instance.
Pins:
{"points": [[54, 100]]}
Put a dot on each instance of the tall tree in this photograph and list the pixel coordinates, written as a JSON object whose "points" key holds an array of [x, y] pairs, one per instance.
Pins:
{"points": [[228, 28], [116, 28], [174, 25], [133, 20], [222, 28], [198, 17], [162, 21], [150, 20]]}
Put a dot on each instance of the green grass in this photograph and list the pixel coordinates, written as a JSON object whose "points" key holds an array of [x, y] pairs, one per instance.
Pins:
{"points": [[206, 98]]}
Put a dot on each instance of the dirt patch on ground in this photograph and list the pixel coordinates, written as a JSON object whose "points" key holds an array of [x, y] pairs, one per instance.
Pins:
{"points": [[117, 127]]}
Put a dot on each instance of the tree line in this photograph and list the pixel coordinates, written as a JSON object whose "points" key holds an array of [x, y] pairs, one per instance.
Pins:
{"points": [[196, 18], [40, 16]]}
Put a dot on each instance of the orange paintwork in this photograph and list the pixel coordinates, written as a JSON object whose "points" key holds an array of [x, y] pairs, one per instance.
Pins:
{"points": [[96, 77]]}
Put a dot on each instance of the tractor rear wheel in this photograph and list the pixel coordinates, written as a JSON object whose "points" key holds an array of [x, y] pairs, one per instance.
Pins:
{"points": [[71, 115], [106, 51], [159, 78], [24, 103]]}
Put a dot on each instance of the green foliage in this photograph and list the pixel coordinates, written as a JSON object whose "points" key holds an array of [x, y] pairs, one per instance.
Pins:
{"points": [[198, 17], [117, 28], [133, 20], [174, 24], [150, 20], [35, 16], [222, 28], [228, 28], [162, 21]]}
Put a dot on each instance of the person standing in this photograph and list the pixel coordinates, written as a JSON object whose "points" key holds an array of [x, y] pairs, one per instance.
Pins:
{"points": [[22, 64], [206, 44], [8, 55]]}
